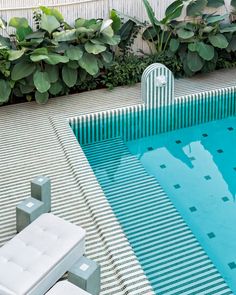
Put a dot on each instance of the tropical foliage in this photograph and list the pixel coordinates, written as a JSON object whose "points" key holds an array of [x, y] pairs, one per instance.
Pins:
{"points": [[53, 58], [198, 42], [57, 58]]}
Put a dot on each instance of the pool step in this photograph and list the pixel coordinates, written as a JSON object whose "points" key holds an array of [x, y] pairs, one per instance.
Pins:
{"points": [[170, 255]]}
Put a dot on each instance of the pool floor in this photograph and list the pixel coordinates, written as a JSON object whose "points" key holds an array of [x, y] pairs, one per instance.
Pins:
{"points": [[196, 166], [171, 256]]}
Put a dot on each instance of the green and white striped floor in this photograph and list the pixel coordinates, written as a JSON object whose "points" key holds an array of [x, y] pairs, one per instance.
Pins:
{"points": [[36, 140]]}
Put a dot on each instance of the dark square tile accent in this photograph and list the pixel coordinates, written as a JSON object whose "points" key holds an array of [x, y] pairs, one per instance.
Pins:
{"points": [[150, 148], [211, 235], [193, 209], [234, 168], [177, 186], [204, 135], [192, 158], [178, 141], [207, 177], [220, 151], [225, 199], [163, 166], [230, 128], [232, 265]]}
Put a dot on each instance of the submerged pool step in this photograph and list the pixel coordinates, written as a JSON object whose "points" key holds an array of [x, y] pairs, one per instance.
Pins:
{"points": [[170, 255]]}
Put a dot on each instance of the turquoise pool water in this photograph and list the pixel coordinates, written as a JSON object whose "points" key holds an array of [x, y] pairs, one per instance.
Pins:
{"points": [[196, 166]]}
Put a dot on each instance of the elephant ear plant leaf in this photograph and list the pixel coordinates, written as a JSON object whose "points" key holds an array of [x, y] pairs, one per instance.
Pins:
{"points": [[49, 23]]}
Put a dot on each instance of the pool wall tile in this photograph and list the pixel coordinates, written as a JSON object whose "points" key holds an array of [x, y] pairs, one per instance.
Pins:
{"points": [[140, 120]]}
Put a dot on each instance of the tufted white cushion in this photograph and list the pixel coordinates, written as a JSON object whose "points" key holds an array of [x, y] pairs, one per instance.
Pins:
{"points": [[35, 259], [66, 288]]}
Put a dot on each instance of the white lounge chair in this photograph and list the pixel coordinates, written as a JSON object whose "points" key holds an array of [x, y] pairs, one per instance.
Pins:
{"points": [[66, 288], [36, 258]]}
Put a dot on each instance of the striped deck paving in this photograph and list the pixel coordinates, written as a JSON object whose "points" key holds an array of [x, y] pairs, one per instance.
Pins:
{"points": [[170, 255], [36, 140]]}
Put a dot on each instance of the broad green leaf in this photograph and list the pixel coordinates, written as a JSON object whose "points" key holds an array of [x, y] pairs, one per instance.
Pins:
{"points": [[42, 50], [173, 11], [207, 29], [49, 23], [96, 41], [67, 35], [94, 48], [54, 59], [41, 81], [52, 11], [229, 28], [38, 57], [218, 40], [92, 22], [18, 22], [89, 63], [73, 64], [151, 14], [22, 70], [4, 42], [215, 3], [196, 7], [174, 45], [116, 24], [111, 41], [39, 54], [150, 34], [74, 52], [107, 56], [126, 31], [15, 54], [21, 33], [194, 61], [55, 88], [35, 35], [41, 98], [26, 88], [32, 42], [53, 73], [185, 34], [5, 91], [215, 18], [79, 22], [205, 51], [83, 30], [69, 76], [108, 32], [187, 71], [192, 47]]}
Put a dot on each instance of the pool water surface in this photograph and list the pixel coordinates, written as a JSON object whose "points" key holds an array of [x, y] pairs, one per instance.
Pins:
{"points": [[196, 167], [174, 196]]}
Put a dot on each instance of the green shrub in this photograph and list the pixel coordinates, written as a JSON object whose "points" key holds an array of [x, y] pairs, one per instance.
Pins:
{"points": [[198, 43], [54, 58]]}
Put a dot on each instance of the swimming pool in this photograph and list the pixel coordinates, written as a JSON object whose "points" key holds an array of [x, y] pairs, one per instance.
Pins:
{"points": [[120, 145], [196, 166]]}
